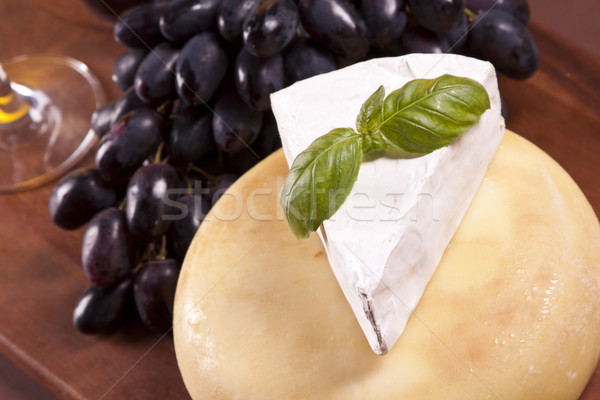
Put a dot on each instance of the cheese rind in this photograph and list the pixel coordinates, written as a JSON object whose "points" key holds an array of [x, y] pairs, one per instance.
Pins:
{"points": [[512, 311], [387, 239]]}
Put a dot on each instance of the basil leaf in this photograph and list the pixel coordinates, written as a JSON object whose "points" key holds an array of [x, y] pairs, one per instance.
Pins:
{"points": [[373, 145], [371, 113], [427, 114], [320, 179]]}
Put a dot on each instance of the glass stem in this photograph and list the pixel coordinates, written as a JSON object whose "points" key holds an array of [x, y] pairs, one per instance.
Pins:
{"points": [[13, 106]]}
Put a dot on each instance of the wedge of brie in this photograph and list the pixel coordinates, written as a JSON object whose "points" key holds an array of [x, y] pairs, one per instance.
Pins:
{"points": [[387, 239]]}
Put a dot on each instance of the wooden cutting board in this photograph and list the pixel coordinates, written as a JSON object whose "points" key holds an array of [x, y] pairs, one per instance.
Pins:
{"points": [[40, 274]]}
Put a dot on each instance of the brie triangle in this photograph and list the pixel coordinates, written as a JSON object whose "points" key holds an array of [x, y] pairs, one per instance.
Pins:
{"points": [[386, 240]]}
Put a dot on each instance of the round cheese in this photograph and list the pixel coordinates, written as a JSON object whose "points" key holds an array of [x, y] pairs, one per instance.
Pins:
{"points": [[511, 312]]}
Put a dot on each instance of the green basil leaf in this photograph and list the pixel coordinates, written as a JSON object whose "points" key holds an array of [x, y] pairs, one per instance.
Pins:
{"points": [[373, 145], [427, 114], [320, 179], [370, 115]]}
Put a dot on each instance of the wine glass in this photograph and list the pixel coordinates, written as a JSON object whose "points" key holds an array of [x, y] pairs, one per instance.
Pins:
{"points": [[46, 103]]}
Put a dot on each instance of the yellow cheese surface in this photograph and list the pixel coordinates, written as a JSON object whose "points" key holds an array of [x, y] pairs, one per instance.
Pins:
{"points": [[512, 312]]}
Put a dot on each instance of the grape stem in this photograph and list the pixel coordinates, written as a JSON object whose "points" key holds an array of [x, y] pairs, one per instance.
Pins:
{"points": [[188, 183], [158, 153], [470, 14], [123, 203], [205, 174], [162, 254]]}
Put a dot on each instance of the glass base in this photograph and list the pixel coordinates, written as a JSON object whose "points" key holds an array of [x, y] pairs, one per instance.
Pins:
{"points": [[55, 132]]}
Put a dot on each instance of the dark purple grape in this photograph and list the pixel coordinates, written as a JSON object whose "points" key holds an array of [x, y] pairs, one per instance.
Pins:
{"points": [[182, 19], [420, 40], [437, 15], [457, 37], [269, 140], [235, 125], [500, 38], [138, 26], [270, 27], [337, 25], [304, 60], [102, 309], [518, 8], [130, 141], [242, 161], [200, 68], [154, 293], [155, 78], [231, 17], [193, 210], [385, 20], [256, 78], [266, 143], [102, 119], [220, 185], [126, 66], [106, 252], [78, 197], [125, 104], [191, 135], [148, 206]]}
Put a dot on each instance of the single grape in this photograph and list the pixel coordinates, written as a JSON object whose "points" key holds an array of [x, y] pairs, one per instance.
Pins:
{"points": [[335, 24], [303, 60], [154, 293], [128, 102], [182, 19], [102, 119], [138, 26], [200, 68], [231, 17], [102, 309], [437, 15], [235, 125], [268, 140], [191, 136], [518, 8], [130, 141], [220, 185], [78, 197], [148, 207], [457, 37], [421, 40], [385, 20], [242, 161], [266, 143], [270, 27], [126, 66], [256, 78], [503, 40], [107, 252], [193, 210], [155, 79]]}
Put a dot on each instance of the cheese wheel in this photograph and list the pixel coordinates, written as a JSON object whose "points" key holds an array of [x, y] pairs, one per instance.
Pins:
{"points": [[512, 311]]}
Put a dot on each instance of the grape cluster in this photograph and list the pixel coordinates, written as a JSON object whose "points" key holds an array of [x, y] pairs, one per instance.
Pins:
{"points": [[196, 80]]}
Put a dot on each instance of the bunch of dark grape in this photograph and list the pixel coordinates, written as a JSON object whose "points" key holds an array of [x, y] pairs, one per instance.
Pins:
{"points": [[195, 113]]}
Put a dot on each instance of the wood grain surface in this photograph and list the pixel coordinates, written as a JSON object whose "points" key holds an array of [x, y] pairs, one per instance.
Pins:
{"points": [[40, 274]]}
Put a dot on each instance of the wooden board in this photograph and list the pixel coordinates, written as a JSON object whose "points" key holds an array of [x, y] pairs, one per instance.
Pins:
{"points": [[40, 273]]}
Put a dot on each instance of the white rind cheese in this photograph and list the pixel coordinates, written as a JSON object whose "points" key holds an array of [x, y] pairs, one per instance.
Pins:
{"points": [[387, 239]]}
